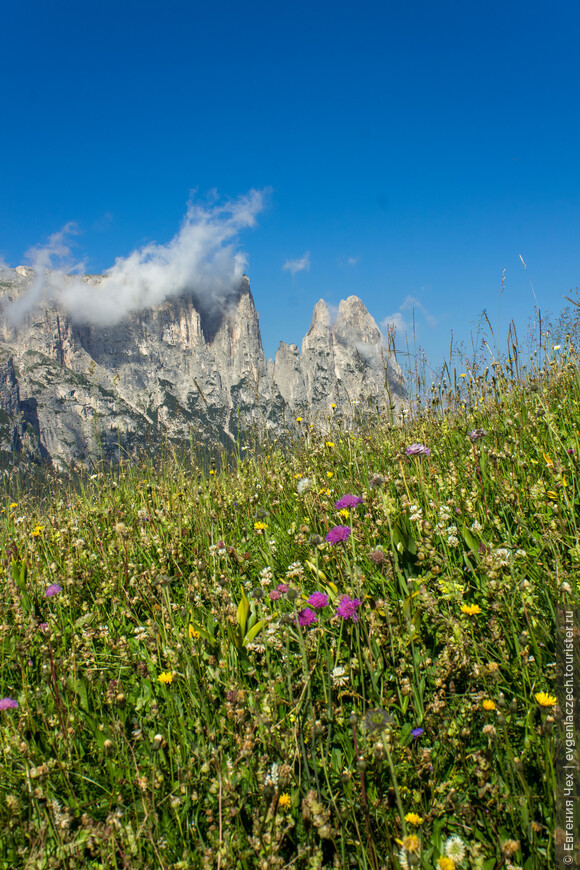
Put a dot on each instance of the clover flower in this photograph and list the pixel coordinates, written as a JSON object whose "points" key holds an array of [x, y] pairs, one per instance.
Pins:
{"points": [[455, 848], [337, 534]]}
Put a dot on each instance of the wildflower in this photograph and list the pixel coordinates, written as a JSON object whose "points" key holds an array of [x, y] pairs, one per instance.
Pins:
{"points": [[377, 556], [337, 534], [411, 844], [165, 677], [307, 617], [283, 588], [259, 526], [318, 600], [330, 474], [284, 801], [303, 485], [339, 676], [299, 419], [416, 732], [418, 450], [415, 513], [6, 703], [376, 480], [413, 819], [476, 434], [348, 501], [193, 633], [455, 849], [53, 589], [329, 444], [344, 514], [274, 595], [488, 704], [376, 720], [545, 700], [347, 608], [445, 863], [470, 609]]}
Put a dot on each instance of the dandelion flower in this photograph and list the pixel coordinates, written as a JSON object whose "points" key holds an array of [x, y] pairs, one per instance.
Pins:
{"points": [[284, 801], [445, 863], [413, 819], [259, 526], [165, 677], [411, 844], [470, 609], [545, 700], [488, 704], [455, 849]]}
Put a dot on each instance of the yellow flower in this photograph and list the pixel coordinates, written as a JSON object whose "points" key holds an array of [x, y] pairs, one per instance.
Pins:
{"points": [[259, 526], [470, 609], [344, 513], [299, 419], [329, 444], [545, 700], [14, 504], [333, 404], [212, 471], [413, 819], [488, 704], [444, 863], [192, 632], [330, 474], [411, 843], [284, 801], [551, 494], [166, 677], [549, 461]]}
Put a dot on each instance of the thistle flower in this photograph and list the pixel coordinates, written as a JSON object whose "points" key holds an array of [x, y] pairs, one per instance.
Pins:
{"points": [[53, 589], [347, 608], [318, 600], [347, 501], [418, 450], [307, 617], [337, 534]]}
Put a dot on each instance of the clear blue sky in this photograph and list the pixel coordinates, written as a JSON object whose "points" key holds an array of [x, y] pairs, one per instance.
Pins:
{"points": [[414, 151]]}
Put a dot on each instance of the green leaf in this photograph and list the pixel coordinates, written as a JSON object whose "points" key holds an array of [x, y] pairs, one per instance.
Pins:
{"points": [[256, 629], [243, 610]]}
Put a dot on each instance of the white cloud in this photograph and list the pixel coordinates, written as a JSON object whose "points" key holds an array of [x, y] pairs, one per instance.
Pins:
{"points": [[294, 266], [352, 261], [203, 258]]}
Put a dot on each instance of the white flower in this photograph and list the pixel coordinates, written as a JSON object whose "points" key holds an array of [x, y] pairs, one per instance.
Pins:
{"points": [[452, 541], [503, 556], [294, 570], [303, 485], [476, 527], [339, 677], [444, 512], [520, 554], [455, 849], [415, 513]]}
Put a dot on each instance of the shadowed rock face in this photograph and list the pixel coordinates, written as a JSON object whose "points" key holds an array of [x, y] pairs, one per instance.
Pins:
{"points": [[176, 371]]}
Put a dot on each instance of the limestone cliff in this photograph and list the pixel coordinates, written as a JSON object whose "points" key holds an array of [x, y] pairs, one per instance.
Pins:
{"points": [[73, 391]]}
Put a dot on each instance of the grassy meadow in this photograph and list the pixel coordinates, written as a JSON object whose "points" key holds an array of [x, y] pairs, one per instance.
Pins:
{"points": [[341, 655]]}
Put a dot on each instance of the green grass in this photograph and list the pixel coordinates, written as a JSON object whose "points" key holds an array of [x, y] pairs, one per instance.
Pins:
{"points": [[271, 744]]}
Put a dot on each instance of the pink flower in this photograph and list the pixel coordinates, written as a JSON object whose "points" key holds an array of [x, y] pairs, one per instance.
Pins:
{"points": [[337, 534], [418, 450], [318, 600], [347, 608], [5, 703], [54, 589], [347, 501], [307, 617]]}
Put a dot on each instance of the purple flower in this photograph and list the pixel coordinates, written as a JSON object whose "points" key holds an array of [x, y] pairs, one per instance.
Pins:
{"points": [[347, 501], [337, 534], [571, 451], [274, 594], [43, 626], [347, 608], [54, 589], [307, 617], [418, 450], [318, 600], [416, 732], [282, 587], [475, 434], [5, 703]]}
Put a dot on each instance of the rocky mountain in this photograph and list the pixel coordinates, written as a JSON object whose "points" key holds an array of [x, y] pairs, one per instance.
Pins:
{"points": [[72, 391]]}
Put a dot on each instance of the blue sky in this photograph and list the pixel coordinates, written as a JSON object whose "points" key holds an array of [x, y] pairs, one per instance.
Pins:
{"points": [[406, 155]]}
